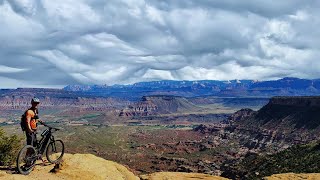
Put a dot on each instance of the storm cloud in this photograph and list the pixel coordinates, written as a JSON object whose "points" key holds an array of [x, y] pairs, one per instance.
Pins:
{"points": [[55, 43]]}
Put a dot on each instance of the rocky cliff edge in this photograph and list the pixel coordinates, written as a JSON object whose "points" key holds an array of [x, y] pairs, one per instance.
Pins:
{"points": [[89, 167]]}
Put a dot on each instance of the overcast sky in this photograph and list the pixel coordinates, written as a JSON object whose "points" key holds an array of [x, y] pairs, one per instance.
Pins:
{"points": [[52, 43]]}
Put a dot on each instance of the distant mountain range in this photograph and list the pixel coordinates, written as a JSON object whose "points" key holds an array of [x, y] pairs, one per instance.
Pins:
{"points": [[203, 89], [235, 88]]}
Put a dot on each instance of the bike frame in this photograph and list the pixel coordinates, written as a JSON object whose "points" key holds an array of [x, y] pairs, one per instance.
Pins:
{"points": [[44, 141]]}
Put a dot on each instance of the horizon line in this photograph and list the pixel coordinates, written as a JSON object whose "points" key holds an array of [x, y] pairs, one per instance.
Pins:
{"points": [[59, 87]]}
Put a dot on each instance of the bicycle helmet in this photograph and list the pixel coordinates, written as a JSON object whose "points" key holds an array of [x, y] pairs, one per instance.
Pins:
{"points": [[35, 100]]}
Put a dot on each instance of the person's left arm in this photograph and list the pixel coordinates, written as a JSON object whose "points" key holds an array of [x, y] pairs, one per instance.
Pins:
{"points": [[40, 121]]}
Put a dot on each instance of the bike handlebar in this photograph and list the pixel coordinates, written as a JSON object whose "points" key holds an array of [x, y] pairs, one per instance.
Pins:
{"points": [[56, 129]]}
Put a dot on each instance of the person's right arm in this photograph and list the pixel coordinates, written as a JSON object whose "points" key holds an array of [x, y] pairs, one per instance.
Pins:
{"points": [[29, 117]]}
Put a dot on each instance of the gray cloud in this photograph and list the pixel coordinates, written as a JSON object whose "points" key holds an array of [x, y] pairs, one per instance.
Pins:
{"points": [[55, 43]]}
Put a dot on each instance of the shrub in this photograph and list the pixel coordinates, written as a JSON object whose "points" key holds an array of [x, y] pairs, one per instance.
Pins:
{"points": [[9, 148]]}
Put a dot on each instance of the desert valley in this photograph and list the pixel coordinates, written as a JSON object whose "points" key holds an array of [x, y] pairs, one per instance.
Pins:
{"points": [[228, 129]]}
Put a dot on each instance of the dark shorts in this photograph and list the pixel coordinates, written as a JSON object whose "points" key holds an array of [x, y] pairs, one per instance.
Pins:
{"points": [[31, 139]]}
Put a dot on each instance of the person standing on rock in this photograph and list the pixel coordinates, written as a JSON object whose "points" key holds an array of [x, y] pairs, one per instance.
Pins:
{"points": [[29, 122], [31, 118]]}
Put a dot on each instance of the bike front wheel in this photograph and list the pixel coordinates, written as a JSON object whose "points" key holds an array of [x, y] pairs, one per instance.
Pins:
{"points": [[26, 159], [55, 151]]}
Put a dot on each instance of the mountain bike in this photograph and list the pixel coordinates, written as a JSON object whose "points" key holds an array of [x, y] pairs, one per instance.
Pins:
{"points": [[53, 148]]}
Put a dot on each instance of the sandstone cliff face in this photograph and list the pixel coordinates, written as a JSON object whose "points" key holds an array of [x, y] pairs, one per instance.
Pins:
{"points": [[23, 102], [241, 115], [294, 117], [143, 108], [55, 99], [161, 104], [290, 113]]}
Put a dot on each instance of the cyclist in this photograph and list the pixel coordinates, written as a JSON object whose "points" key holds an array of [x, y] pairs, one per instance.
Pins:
{"points": [[32, 118], [31, 122]]}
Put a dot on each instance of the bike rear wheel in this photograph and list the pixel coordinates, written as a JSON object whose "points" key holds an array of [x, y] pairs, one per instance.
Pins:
{"points": [[55, 151], [26, 159]]}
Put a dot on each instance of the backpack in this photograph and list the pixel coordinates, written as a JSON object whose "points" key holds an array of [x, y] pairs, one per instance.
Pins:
{"points": [[23, 120]]}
